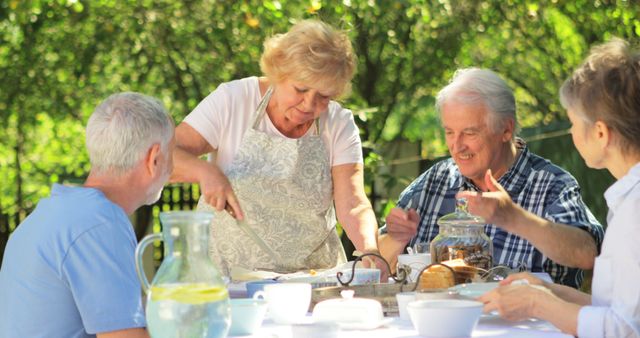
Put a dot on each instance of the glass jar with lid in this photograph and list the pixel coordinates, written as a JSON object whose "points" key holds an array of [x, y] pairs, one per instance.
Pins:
{"points": [[462, 243]]}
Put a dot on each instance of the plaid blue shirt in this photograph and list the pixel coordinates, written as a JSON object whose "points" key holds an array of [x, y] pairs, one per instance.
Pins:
{"points": [[534, 183]]}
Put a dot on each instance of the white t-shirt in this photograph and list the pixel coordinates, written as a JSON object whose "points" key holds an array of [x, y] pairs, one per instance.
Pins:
{"points": [[224, 115]]}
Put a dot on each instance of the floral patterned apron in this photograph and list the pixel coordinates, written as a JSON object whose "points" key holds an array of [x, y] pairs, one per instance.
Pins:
{"points": [[286, 193]]}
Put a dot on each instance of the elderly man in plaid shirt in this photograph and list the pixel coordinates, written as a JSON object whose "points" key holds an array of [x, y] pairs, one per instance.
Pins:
{"points": [[536, 216]]}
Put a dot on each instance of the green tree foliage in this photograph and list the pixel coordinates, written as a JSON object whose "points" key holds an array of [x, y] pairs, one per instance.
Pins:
{"points": [[59, 58]]}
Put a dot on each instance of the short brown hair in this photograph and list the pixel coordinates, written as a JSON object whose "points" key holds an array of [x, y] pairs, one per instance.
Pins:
{"points": [[606, 87], [311, 52]]}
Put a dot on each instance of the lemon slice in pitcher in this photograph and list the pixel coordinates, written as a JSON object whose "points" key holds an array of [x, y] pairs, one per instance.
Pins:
{"points": [[189, 293]]}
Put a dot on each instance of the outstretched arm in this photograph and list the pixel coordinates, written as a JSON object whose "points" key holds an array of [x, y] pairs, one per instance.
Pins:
{"points": [[353, 209], [563, 292], [564, 244], [519, 302]]}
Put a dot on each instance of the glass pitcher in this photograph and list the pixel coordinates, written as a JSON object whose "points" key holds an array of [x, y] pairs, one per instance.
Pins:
{"points": [[187, 297]]}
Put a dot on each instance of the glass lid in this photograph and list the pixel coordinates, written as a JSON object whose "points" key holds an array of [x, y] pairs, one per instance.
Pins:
{"points": [[461, 217]]}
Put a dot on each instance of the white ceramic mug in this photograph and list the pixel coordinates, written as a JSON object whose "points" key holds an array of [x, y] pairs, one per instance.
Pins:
{"points": [[416, 262], [287, 303]]}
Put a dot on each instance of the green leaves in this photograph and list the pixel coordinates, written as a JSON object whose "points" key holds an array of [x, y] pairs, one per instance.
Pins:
{"points": [[60, 58]]}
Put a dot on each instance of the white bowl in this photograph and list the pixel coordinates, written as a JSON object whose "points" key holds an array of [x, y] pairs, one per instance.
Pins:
{"points": [[444, 317]]}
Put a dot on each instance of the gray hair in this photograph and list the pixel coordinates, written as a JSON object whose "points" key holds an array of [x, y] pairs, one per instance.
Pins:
{"points": [[122, 128], [605, 87], [475, 85]]}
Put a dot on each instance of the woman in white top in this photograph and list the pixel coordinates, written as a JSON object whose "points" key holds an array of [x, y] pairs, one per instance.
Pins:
{"points": [[602, 99], [281, 154]]}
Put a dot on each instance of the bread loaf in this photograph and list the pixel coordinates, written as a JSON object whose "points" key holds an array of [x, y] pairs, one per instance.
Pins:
{"points": [[438, 276], [464, 273]]}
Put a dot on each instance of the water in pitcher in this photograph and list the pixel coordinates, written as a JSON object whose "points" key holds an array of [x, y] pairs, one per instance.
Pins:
{"points": [[187, 297], [188, 310]]}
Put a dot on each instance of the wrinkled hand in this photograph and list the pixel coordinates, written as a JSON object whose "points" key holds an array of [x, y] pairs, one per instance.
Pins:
{"points": [[495, 206], [531, 279], [513, 302], [402, 226], [217, 192]]}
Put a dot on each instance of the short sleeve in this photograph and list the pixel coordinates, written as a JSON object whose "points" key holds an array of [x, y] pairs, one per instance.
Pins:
{"points": [[100, 270], [208, 116], [347, 146]]}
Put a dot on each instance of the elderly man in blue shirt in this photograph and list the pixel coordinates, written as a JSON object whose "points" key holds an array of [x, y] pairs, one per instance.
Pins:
{"points": [[535, 213], [68, 269]]}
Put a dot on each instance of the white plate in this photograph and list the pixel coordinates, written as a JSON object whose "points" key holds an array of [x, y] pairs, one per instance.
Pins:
{"points": [[474, 290], [365, 326]]}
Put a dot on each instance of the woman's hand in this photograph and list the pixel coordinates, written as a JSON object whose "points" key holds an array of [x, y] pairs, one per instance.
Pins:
{"points": [[515, 302], [531, 279], [218, 192], [188, 167], [519, 302]]}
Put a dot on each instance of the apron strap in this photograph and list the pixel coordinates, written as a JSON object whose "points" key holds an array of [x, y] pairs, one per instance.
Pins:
{"points": [[262, 107]]}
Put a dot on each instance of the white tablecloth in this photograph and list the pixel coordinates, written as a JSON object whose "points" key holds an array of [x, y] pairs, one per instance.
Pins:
{"points": [[489, 326]]}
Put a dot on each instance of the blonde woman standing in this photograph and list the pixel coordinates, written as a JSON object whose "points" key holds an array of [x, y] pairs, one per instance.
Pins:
{"points": [[603, 104], [282, 153]]}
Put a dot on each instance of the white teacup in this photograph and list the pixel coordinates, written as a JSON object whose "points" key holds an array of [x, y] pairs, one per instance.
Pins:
{"points": [[246, 315], [287, 303], [415, 262]]}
